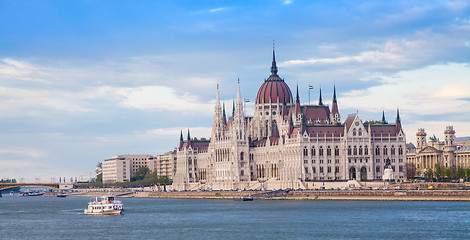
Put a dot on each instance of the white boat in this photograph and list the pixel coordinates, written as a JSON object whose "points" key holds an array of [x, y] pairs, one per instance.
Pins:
{"points": [[107, 205]]}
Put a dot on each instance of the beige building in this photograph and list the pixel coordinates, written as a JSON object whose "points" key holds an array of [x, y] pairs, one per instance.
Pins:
{"points": [[447, 153], [121, 168]]}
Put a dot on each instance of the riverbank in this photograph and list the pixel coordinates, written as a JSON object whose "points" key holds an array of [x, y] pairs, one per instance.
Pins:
{"points": [[354, 195]]}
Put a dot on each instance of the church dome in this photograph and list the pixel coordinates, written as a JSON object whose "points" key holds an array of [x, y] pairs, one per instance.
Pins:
{"points": [[274, 89]]}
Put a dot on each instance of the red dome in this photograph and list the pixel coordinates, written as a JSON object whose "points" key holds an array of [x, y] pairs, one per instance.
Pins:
{"points": [[274, 89]]}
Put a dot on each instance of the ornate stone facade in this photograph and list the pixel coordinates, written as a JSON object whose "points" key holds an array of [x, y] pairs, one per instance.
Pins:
{"points": [[287, 145], [447, 153]]}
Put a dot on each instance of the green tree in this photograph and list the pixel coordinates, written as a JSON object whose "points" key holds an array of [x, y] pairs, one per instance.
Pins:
{"points": [[140, 174], [429, 173], [99, 178], [460, 173], [437, 171], [468, 172], [449, 172]]}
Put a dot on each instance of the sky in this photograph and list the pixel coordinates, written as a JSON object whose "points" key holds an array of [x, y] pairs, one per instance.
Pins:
{"points": [[82, 81]]}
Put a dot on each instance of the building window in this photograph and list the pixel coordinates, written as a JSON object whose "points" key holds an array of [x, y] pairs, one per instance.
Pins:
{"points": [[305, 161], [242, 157], [349, 150], [360, 150], [314, 170], [329, 169], [336, 169], [306, 169], [321, 169], [336, 151], [328, 151], [377, 150], [400, 168], [305, 152], [312, 151], [366, 150], [360, 132], [313, 161], [354, 132], [400, 150], [354, 150], [320, 151], [385, 150], [377, 169], [392, 150]]}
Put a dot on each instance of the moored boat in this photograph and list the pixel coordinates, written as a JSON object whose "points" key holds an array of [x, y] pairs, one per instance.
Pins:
{"points": [[107, 205]]}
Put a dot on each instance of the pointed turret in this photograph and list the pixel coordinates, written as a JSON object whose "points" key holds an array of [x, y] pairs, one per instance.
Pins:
{"points": [[273, 66], [320, 102], [188, 142], [398, 120], [218, 126], [383, 117], [181, 140], [233, 108], [297, 102], [189, 136], [335, 117], [238, 125]]}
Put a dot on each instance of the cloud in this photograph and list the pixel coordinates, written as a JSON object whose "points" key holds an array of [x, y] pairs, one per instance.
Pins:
{"points": [[287, 2], [217, 9], [157, 98], [22, 152], [22, 70], [176, 131]]}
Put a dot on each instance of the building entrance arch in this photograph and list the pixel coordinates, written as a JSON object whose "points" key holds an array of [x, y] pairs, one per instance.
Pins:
{"points": [[352, 173], [363, 173]]}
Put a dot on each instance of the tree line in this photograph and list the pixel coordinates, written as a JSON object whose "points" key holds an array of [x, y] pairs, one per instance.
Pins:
{"points": [[439, 172], [142, 177]]}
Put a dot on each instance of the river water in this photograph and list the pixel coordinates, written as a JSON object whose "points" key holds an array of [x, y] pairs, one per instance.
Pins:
{"points": [[63, 218]]}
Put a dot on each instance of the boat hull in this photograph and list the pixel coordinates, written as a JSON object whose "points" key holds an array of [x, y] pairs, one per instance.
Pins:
{"points": [[113, 212]]}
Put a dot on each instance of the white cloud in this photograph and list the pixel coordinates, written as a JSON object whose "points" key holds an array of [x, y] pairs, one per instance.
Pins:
{"points": [[217, 9], [198, 132], [22, 152], [287, 2], [12, 69]]}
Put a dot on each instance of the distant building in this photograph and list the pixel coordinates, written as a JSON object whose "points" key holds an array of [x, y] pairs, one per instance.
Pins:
{"points": [[287, 145], [122, 168], [98, 169], [448, 153]]}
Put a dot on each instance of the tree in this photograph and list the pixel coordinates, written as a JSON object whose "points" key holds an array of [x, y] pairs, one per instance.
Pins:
{"points": [[140, 174], [429, 173], [468, 172], [410, 170], [460, 173], [449, 172], [437, 171], [99, 178]]}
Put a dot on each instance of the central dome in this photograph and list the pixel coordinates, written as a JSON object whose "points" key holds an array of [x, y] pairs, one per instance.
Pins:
{"points": [[274, 89]]}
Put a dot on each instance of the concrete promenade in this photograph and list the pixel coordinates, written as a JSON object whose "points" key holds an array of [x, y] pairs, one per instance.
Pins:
{"points": [[355, 195]]}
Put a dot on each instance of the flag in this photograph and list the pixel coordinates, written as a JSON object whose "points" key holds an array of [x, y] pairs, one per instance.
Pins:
{"points": [[458, 147], [247, 100], [310, 87]]}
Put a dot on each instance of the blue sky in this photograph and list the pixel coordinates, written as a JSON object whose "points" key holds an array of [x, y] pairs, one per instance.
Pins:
{"points": [[81, 81]]}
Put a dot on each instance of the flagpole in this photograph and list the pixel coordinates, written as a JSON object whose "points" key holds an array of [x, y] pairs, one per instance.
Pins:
{"points": [[309, 95]]}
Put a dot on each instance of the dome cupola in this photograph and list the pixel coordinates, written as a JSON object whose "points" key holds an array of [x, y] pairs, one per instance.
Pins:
{"points": [[274, 89]]}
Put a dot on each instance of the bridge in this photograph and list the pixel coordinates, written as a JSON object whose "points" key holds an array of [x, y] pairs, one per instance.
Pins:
{"points": [[4, 186]]}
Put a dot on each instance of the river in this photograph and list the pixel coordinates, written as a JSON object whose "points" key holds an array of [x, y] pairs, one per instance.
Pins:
{"points": [[63, 218]]}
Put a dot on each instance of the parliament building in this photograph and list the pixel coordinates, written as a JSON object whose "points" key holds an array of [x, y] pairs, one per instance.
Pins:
{"points": [[287, 145]]}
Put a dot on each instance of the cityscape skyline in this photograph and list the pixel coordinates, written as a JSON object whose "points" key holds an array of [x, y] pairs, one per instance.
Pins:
{"points": [[83, 81]]}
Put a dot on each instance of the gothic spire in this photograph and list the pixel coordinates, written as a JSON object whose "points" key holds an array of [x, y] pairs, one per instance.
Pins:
{"points": [[383, 117], [297, 97], [181, 136], [320, 102], [223, 110], [189, 136], [233, 108], [334, 93], [398, 116], [274, 67]]}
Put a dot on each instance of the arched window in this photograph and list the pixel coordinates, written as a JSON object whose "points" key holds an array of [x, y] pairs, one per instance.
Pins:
{"points": [[360, 132], [312, 151], [274, 127], [392, 150], [336, 151], [328, 151], [400, 150], [385, 150], [305, 152], [320, 151], [354, 132], [366, 150], [267, 129], [360, 150], [354, 150], [349, 150], [242, 156], [377, 150]]}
